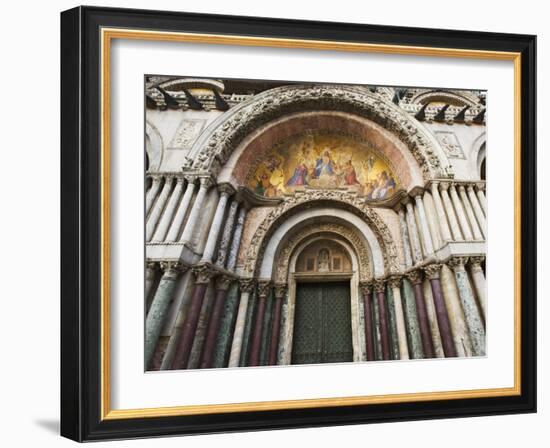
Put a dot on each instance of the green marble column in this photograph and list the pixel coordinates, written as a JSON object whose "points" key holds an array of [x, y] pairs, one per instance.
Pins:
{"points": [[227, 324], [377, 335], [472, 314], [411, 321], [200, 333], [392, 324], [248, 327], [266, 329]]}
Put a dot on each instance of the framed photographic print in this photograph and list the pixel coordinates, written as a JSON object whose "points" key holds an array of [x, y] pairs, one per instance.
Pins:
{"points": [[275, 224]]}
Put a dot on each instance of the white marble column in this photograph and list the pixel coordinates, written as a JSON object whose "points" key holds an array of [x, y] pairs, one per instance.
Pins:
{"points": [[157, 209], [481, 196], [405, 236], [152, 193], [470, 213], [464, 225], [227, 234], [413, 233], [432, 319], [433, 224], [427, 244], [395, 284], [225, 191], [246, 286], [478, 278], [150, 273], [472, 315], [183, 206], [196, 210], [455, 229], [477, 209], [442, 218], [169, 211], [236, 241]]}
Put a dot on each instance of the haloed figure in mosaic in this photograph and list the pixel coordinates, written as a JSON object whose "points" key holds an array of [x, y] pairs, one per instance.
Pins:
{"points": [[305, 224]]}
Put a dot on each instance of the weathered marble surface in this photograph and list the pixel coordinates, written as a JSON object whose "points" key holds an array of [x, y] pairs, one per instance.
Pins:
{"points": [[411, 321], [248, 327], [432, 318], [227, 325], [392, 324], [200, 334]]}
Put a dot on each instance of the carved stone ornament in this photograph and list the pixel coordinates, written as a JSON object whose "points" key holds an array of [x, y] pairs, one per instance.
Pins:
{"points": [[263, 288], [203, 274], [213, 148], [432, 271], [475, 263], [310, 198], [415, 277], [395, 281], [171, 268], [246, 285], [458, 263], [355, 240], [223, 282], [379, 285], [279, 290], [366, 287]]}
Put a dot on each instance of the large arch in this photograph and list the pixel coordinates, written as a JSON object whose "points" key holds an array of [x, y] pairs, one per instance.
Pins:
{"points": [[212, 150]]}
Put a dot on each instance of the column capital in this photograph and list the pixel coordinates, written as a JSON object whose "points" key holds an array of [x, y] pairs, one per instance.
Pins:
{"points": [[366, 287], [190, 178], [223, 282], [279, 290], [172, 268], [379, 285], [226, 188], [263, 288], [246, 284], [395, 281], [475, 263], [457, 263], [206, 182], [461, 188], [480, 186], [416, 192], [203, 274], [415, 277], [432, 271], [152, 265], [470, 187], [444, 186]]}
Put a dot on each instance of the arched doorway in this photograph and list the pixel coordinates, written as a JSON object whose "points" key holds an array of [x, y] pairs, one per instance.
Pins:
{"points": [[322, 323]]}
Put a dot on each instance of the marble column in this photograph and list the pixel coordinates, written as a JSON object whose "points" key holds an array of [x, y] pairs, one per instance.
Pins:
{"points": [[222, 285], [413, 233], [183, 206], [236, 241], [227, 234], [442, 218], [159, 307], [432, 319], [255, 347], [379, 289], [478, 278], [464, 225], [158, 208], [470, 213], [280, 290], [225, 191], [366, 289], [433, 223], [459, 328], [405, 236], [152, 192], [444, 324], [150, 274], [196, 210], [394, 283], [246, 286], [477, 209], [481, 196], [183, 349], [169, 211], [449, 209], [427, 244], [469, 305], [415, 277], [411, 321]]}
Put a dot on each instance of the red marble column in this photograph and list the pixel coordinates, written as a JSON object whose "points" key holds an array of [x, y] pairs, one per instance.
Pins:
{"points": [[255, 347], [223, 283], [441, 311], [280, 290], [415, 277], [380, 290], [369, 327], [185, 344]]}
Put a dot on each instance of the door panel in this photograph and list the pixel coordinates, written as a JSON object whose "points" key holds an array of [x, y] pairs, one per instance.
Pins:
{"points": [[322, 324]]}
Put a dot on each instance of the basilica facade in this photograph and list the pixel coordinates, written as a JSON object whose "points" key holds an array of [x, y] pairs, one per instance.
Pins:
{"points": [[290, 223]]}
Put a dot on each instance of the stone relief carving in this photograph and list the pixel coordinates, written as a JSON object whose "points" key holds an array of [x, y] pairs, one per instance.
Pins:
{"points": [[186, 134], [283, 258], [311, 198], [218, 145], [450, 144]]}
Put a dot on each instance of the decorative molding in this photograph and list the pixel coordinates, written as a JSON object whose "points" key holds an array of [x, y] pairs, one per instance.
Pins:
{"points": [[246, 285], [203, 273], [279, 290], [432, 271], [172, 269], [395, 281], [457, 263], [379, 285], [366, 287], [187, 133], [263, 288], [415, 277], [475, 263]]}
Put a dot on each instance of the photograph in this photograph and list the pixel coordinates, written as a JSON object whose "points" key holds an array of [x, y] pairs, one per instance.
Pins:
{"points": [[301, 223]]}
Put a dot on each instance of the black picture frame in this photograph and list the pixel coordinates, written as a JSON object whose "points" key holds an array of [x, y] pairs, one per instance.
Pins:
{"points": [[81, 224]]}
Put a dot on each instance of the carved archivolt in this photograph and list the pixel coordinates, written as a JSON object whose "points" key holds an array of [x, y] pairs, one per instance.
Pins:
{"points": [[216, 144], [313, 198], [332, 229]]}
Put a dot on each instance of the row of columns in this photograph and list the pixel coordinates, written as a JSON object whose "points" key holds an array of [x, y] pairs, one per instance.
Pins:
{"points": [[447, 319]]}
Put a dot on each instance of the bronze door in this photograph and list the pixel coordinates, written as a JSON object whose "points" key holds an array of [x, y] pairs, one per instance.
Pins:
{"points": [[322, 323]]}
